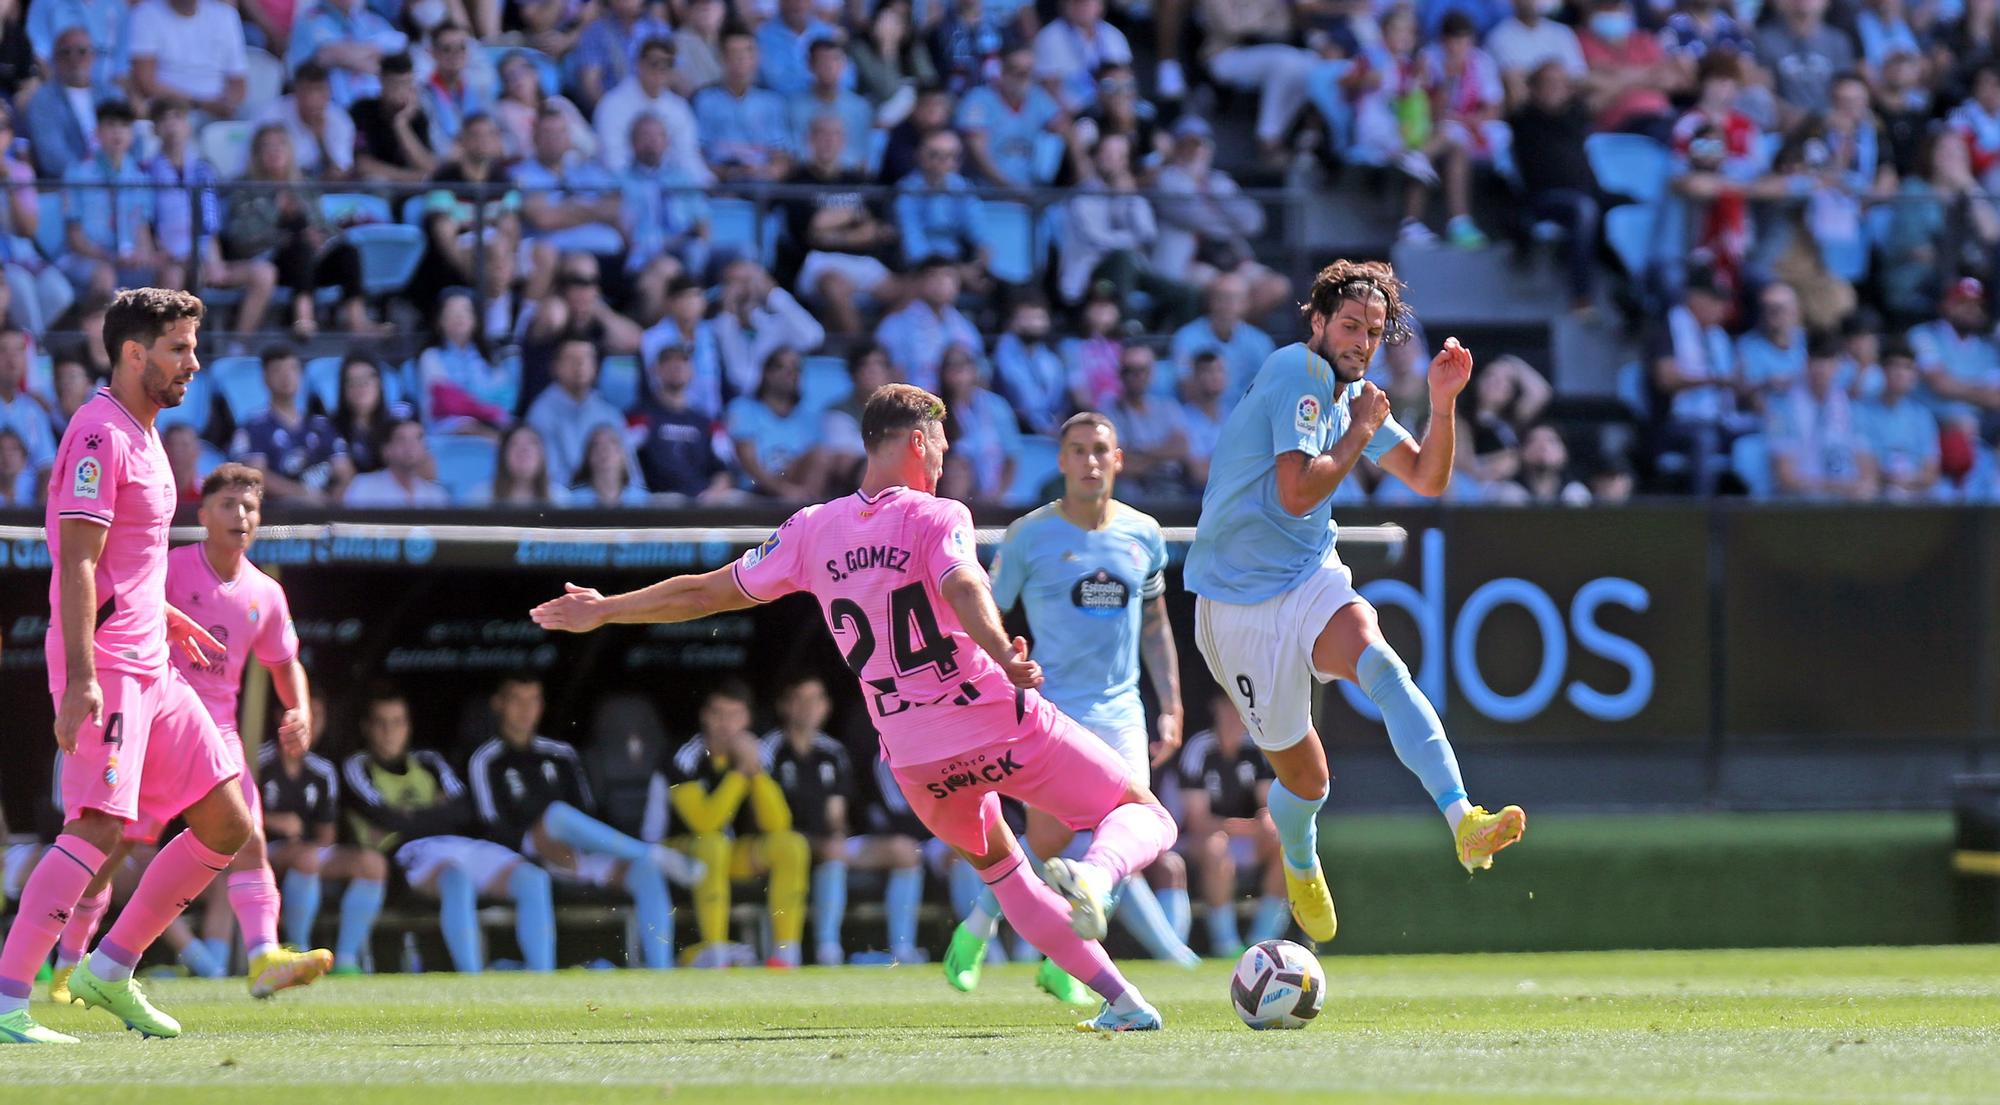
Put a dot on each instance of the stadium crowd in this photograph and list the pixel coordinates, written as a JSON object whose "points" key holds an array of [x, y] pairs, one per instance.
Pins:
{"points": [[374, 808], [617, 252]]}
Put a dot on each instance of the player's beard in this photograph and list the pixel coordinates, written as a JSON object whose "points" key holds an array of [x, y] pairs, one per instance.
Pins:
{"points": [[1337, 360], [162, 386]]}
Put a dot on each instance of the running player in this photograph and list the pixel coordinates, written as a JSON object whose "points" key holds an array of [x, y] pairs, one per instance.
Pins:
{"points": [[138, 742], [1276, 609], [1088, 571], [531, 793], [898, 579]]}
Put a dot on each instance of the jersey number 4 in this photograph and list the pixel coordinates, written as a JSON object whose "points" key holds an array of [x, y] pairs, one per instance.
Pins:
{"points": [[915, 642]]}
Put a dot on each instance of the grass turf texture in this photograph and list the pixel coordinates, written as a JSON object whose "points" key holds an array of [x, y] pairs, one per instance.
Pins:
{"points": [[1851, 1025]]}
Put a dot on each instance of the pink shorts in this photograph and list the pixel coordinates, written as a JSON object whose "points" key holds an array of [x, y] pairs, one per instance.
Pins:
{"points": [[146, 828], [1047, 761], [156, 753]]}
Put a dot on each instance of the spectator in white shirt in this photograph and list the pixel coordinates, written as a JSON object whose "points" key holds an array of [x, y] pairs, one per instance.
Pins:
{"points": [[568, 410], [758, 318], [1526, 42], [401, 483], [322, 132], [647, 91], [190, 50], [1069, 51]]}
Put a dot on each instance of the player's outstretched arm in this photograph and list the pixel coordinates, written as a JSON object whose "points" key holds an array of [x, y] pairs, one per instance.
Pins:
{"points": [[188, 635], [680, 599], [966, 592], [1427, 467]]}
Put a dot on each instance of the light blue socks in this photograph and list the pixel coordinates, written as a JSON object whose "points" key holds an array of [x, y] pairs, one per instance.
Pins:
{"points": [[1298, 826], [1142, 916], [902, 899], [300, 907], [1274, 916], [829, 901], [458, 916], [1174, 903], [1414, 728], [1223, 936], [585, 833], [535, 915], [359, 906], [655, 913]]}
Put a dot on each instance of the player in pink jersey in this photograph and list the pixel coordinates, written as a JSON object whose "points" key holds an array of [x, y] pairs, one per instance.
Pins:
{"points": [[245, 610], [897, 576], [137, 739]]}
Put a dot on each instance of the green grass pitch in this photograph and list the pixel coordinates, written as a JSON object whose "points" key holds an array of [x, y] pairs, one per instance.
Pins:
{"points": [[1918, 1025]]}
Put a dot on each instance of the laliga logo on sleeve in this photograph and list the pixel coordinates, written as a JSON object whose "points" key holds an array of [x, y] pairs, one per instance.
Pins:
{"points": [[961, 541], [89, 477], [751, 558], [1308, 413]]}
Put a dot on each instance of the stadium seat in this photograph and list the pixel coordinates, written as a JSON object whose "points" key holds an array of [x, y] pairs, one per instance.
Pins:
{"points": [[1750, 458], [196, 409], [264, 83], [1034, 465], [241, 382], [390, 253], [210, 459], [1049, 150], [323, 382], [226, 145], [342, 208], [1009, 232], [732, 223], [1629, 165], [878, 144], [1632, 390], [414, 208], [619, 383], [49, 230], [545, 66], [463, 463], [1629, 230], [824, 382]]}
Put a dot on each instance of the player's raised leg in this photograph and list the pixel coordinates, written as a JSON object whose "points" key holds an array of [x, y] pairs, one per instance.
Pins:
{"points": [[1351, 647]]}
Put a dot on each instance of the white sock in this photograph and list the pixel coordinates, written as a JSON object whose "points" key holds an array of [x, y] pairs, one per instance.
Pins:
{"points": [[981, 923], [1455, 813], [107, 968], [260, 949], [1127, 1002]]}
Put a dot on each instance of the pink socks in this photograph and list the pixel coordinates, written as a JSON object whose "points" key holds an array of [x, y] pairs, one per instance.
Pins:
{"points": [[253, 895], [174, 879], [82, 928], [1040, 915], [47, 902]]}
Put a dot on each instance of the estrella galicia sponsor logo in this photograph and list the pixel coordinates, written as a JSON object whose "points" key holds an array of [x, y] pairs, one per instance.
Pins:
{"points": [[1101, 593], [960, 775]]}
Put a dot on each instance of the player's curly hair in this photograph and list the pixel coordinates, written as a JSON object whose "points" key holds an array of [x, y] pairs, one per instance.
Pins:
{"points": [[143, 314], [1360, 282]]}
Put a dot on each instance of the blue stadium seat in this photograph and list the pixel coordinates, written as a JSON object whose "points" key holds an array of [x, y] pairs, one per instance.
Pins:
{"points": [[1629, 165], [878, 144], [49, 229], [1049, 150], [1632, 389], [390, 253], [196, 408], [323, 381], [1034, 465], [210, 459], [1750, 458], [354, 207], [463, 463], [414, 208], [1009, 231], [732, 225], [824, 382], [241, 381], [545, 66], [618, 381], [1630, 231]]}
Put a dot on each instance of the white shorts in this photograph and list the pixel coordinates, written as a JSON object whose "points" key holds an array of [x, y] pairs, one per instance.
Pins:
{"points": [[865, 273], [481, 860], [1262, 654], [591, 869], [1130, 742]]}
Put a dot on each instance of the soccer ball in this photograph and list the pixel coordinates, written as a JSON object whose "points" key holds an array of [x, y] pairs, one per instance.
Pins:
{"points": [[1277, 984]]}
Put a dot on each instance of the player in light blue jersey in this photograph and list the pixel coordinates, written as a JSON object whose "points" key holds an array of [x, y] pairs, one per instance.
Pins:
{"points": [[1088, 570], [1276, 610]]}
